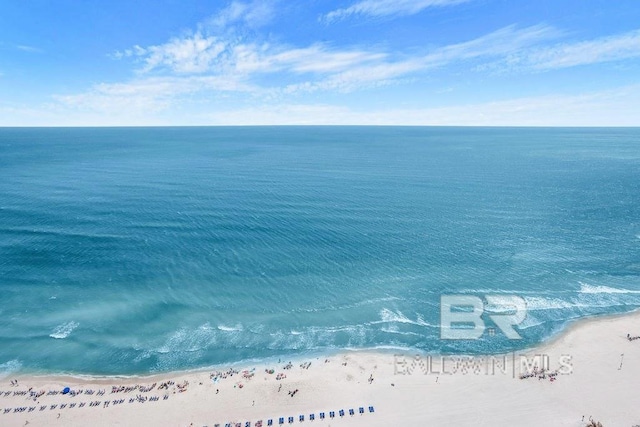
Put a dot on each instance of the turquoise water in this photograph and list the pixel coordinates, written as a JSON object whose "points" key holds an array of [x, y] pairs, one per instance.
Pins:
{"points": [[138, 250]]}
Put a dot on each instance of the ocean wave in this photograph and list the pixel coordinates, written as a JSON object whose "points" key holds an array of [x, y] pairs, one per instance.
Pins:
{"points": [[542, 303], [9, 368], [188, 340], [236, 328], [586, 288], [343, 307], [64, 330], [390, 316], [391, 330]]}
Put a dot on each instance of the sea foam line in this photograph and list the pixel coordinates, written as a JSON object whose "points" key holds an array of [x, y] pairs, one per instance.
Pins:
{"points": [[586, 288]]}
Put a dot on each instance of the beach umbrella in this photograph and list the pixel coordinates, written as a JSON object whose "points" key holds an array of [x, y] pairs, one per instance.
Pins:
{"points": [[66, 390]]}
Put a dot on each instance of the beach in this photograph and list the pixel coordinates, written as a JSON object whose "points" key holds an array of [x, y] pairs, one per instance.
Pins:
{"points": [[589, 371]]}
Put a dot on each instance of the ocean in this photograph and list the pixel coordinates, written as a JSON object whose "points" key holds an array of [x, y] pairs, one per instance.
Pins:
{"points": [[135, 250]]}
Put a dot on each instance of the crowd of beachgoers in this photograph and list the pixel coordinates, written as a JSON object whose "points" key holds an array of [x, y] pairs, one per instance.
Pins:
{"points": [[67, 398]]}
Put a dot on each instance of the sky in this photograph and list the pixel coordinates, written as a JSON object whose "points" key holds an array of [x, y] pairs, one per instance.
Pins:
{"points": [[347, 62]]}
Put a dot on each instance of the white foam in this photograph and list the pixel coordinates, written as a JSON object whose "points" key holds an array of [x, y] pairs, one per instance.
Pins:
{"points": [[586, 288], [530, 322], [188, 340], [64, 330], [392, 330], [541, 303], [9, 368], [236, 328], [390, 316]]}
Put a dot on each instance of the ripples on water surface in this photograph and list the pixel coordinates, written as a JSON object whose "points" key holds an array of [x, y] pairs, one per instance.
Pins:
{"points": [[144, 249]]}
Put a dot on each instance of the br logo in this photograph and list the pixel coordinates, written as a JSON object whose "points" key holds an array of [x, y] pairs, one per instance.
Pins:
{"points": [[461, 315]]}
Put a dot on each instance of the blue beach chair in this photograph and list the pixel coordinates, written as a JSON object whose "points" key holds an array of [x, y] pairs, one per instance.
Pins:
{"points": [[290, 420], [269, 422], [301, 418], [341, 412], [312, 417], [281, 420], [361, 410], [322, 415], [332, 414], [371, 409], [351, 412]]}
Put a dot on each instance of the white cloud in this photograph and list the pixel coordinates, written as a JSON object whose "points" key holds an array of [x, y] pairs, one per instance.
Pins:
{"points": [[199, 64], [195, 54], [319, 67], [378, 8], [254, 14], [366, 76], [318, 59], [505, 41], [605, 49], [198, 54], [216, 60], [149, 94], [382, 71], [209, 46]]}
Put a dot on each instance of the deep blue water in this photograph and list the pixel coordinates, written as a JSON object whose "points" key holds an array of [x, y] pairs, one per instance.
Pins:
{"points": [[132, 250]]}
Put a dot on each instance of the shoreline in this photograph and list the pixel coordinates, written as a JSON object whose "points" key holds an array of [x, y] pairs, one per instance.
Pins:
{"points": [[598, 382], [301, 357]]}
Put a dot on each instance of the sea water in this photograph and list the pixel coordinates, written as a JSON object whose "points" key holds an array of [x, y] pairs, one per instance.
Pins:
{"points": [[136, 250]]}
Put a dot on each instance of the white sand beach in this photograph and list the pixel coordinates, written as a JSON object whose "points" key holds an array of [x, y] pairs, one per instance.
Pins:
{"points": [[592, 372]]}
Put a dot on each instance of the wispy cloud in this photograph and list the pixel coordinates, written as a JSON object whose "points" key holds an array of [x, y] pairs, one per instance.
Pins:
{"points": [[195, 54], [253, 14], [216, 49], [377, 8], [205, 63], [209, 46], [605, 49], [150, 94], [500, 43], [364, 76], [30, 49], [505, 41], [221, 57], [320, 59]]}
